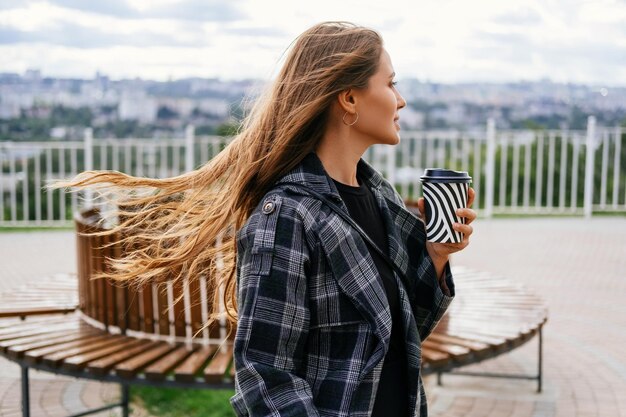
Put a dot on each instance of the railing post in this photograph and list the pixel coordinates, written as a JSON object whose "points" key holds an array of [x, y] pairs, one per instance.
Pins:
{"points": [[88, 138], [189, 141], [589, 162], [490, 167]]}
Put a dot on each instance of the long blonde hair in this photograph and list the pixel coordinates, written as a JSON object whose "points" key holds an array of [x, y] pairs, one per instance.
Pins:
{"points": [[185, 224]]}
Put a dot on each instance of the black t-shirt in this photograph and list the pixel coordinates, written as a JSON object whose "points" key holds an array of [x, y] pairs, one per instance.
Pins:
{"points": [[392, 395]]}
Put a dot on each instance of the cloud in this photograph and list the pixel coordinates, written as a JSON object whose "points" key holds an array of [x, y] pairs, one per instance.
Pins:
{"points": [[524, 17], [508, 46], [12, 4], [211, 10], [256, 31], [117, 8], [79, 36], [198, 10], [502, 38]]}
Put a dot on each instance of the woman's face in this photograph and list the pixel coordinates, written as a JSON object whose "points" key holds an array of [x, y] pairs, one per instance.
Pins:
{"points": [[378, 106]]}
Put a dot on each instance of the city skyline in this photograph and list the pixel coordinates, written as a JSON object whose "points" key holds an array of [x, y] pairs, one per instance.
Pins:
{"points": [[450, 41]]}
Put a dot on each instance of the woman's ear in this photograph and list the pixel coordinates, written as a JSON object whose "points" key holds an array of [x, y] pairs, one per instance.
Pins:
{"points": [[347, 101]]}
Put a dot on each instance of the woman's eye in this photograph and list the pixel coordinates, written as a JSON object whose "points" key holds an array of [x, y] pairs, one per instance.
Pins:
{"points": [[394, 83]]}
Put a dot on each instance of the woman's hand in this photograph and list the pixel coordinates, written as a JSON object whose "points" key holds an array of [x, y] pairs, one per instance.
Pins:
{"points": [[439, 252]]}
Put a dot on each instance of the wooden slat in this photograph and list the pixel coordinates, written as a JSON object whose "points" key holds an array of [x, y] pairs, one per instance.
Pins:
{"points": [[34, 355], [187, 371], [102, 365], [489, 340], [470, 344], [130, 367], [214, 328], [5, 345], [121, 302], [25, 312], [195, 305], [179, 309], [57, 358], [454, 351], [158, 370], [216, 369], [79, 361], [164, 322], [434, 357], [147, 320], [132, 314], [33, 324], [109, 287], [93, 296], [82, 264], [99, 283], [18, 350], [27, 336]]}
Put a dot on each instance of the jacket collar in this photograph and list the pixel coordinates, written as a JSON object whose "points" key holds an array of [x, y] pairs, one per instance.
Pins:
{"points": [[311, 172]]}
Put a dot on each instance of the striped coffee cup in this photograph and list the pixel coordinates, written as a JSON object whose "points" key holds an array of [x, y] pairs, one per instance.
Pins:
{"points": [[445, 191]]}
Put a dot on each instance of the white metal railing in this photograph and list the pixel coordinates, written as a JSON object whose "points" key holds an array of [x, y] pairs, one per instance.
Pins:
{"points": [[514, 171]]}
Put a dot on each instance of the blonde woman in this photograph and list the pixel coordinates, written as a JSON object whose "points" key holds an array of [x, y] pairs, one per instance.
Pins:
{"points": [[328, 277]]}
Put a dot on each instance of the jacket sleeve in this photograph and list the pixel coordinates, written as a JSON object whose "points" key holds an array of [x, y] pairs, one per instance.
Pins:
{"points": [[273, 315], [429, 301]]}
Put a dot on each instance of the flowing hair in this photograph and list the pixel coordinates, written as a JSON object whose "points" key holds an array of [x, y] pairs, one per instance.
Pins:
{"points": [[184, 226]]}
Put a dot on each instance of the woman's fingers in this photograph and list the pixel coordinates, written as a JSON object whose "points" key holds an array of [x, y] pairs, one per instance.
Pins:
{"points": [[468, 214], [420, 206], [466, 229], [470, 197]]}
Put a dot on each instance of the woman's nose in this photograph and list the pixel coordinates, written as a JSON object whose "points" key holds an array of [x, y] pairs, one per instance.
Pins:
{"points": [[401, 102]]}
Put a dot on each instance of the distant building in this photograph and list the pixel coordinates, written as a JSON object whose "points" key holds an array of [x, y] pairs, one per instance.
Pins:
{"points": [[137, 105]]}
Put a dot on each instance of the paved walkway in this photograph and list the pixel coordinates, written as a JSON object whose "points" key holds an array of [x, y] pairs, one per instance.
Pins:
{"points": [[578, 266]]}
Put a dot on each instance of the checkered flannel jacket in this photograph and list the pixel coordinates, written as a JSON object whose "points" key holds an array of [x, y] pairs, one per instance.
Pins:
{"points": [[314, 322]]}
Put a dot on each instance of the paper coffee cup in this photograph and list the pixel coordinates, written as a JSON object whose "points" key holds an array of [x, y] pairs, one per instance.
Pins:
{"points": [[445, 192]]}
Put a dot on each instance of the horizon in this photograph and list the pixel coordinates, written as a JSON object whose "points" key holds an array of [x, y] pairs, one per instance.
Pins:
{"points": [[234, 80]]}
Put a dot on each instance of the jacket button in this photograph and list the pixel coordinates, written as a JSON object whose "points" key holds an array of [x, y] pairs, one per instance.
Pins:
{"points": [[268, 207]]}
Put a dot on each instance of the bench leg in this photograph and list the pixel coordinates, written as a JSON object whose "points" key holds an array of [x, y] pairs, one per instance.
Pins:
{"points": [[25, 392], [538, 377], [125, 398]]}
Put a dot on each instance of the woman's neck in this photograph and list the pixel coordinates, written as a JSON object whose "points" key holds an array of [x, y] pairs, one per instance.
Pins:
{"points": [[339, 158]]}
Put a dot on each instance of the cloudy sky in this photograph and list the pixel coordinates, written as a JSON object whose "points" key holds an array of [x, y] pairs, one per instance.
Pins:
{"points": [[582, 41]]}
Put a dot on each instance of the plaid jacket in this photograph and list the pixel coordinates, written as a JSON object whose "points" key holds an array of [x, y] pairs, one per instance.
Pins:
{"points": [[314, 323]]}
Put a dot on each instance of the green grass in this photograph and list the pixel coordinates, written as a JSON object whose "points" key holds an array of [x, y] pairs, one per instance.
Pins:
{"points": [[179, 402], [11, 229]]}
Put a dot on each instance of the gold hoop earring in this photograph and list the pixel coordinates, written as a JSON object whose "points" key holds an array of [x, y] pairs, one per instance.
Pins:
{"points": [[343, 119]]}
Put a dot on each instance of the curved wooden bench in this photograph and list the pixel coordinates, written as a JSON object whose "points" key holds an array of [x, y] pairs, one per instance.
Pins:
{"points": [[490, 316], [133, 335], [124, 334]]}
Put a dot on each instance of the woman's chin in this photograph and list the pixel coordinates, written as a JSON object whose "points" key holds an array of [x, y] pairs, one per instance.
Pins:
{"points": [[394, 140]]}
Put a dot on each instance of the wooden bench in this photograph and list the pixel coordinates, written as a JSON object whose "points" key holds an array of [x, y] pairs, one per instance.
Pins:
{"points": [[50, 295], [125, 334], [132, 335], [490, 316]]}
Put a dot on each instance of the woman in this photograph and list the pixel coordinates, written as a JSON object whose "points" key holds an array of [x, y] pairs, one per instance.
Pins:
{"points": [[326, 325]]}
